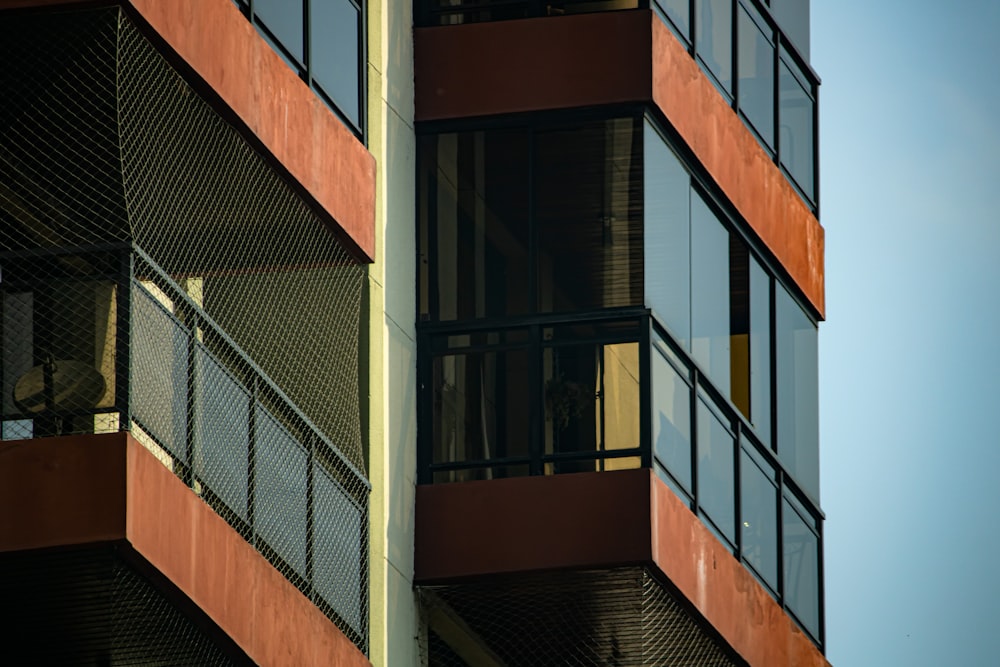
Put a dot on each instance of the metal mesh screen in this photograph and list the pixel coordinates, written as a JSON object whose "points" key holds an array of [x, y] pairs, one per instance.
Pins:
{"points": [[608, 617], [91, 607], [157, 275]]}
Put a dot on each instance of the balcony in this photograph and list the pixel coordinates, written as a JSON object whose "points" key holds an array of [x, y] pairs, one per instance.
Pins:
{"points": [[102, 339]]}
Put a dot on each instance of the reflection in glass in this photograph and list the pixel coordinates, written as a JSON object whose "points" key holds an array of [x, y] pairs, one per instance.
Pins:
{"points": [[716, 476], [334, 58], [667, 241], [714, 43], [284, 20], [591, 399], [588, 213], [796, 126], [760, 350], [710, 344], [671, 419], [797, 383], [801, 558], [759, 516], [756, 71], [480, 406], [474, 212], [678, 13]]}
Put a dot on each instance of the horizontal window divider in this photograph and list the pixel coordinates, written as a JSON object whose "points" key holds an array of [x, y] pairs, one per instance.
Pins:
{"points": [[593, 455], [478, 463], [604, 315]]}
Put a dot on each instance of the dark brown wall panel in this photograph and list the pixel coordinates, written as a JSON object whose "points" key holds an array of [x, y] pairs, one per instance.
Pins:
{"points": [[531, 64], [62, 491], [531, 523]]}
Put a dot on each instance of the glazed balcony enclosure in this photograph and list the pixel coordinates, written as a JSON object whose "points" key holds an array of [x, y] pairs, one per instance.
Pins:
{"points": [[588, 305]]}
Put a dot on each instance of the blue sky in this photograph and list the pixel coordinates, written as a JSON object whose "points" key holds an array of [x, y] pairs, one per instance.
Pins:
{"points": [[910, 354]]}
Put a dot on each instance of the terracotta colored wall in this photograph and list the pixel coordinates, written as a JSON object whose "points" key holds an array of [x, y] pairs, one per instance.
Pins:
{"points": [[603, 519], [96, 488], [531, 523], [718, 585], [61, 491], [743, 170], [604, 58], [206, 559], [332, 167]]}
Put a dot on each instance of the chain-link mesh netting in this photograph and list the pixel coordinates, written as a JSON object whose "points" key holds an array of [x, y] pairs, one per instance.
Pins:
{"points": [[620, 617], [89, 606], [159, 276]]}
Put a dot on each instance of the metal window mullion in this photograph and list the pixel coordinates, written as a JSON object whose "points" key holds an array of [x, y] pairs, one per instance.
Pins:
{"points": [[695, 381], [536, 418], [738, 487]]}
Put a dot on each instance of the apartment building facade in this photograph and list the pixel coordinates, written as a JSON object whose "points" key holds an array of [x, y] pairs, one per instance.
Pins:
{"points": [[344, 332]]}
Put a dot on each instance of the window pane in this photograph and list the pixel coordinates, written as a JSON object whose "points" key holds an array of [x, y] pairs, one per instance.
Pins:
{"points": [[801, 556], [760, 350], [481, 406], [756, 62], [339, 548], [284, 19], [678, 13], [710, 328], [759, 507], [715, 39], [716, 477], [588, 212], [591, 399], [474, 218], [671, 420], [798, 392], [667, 243], [335, 56], [796, 128]]}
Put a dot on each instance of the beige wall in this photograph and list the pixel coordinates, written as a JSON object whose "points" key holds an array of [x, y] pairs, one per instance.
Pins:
{"points": [[391, 339]]}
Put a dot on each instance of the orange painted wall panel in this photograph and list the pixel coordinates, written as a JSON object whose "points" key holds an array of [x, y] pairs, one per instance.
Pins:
{"points": [[738, 164], [183, 538], [721, 589]]}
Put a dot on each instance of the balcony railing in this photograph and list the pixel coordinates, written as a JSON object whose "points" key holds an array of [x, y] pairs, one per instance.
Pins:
{"points": [[610, 390], [103, 340]]}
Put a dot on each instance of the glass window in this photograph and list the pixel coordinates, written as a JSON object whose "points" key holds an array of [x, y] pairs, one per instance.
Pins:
{"points": [[710, 344], [667, 242], [591, 399], [588, 214], [339, 552], [801, 560], [283, 18], [671, 418], [760, 350], [759, 516], [335, 55], [480, 405], [798, 392], [716, 475], [756, 70], [678, 13], [474, 223], [796, 137], [714, 44]]}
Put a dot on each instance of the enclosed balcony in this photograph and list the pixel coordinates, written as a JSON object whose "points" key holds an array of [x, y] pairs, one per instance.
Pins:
{"points": [[590, 304]]}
